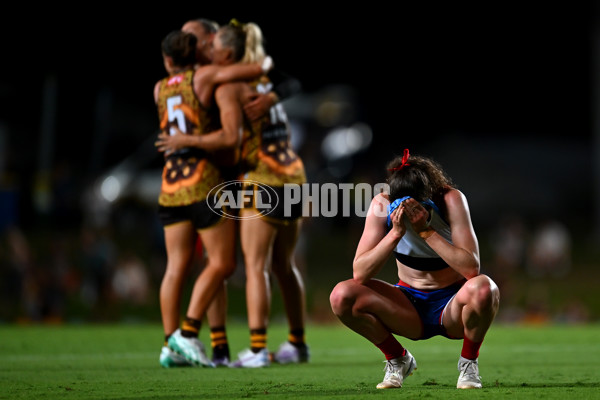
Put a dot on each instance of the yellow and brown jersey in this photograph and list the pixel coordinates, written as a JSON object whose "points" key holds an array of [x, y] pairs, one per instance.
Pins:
{"points": [[188, 174], [267, 155]]}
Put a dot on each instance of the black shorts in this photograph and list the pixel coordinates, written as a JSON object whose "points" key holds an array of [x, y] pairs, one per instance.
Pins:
{"points": [[202, 215], [272, 204]]}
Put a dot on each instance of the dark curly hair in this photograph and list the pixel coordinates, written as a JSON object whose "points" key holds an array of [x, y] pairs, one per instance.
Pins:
{"points": [[418, 177]]}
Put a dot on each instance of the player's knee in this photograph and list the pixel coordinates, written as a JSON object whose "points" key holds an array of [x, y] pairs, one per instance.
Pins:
{"points": [[174, 275], [341, 297], [486, 293], [224, 268]]}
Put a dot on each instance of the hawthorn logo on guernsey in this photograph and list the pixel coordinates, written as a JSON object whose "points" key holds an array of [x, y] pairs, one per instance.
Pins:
{"points": [[228, 198], [175, 80]]}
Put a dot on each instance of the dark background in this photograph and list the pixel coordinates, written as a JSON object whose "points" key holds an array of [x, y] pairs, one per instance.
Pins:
{"points": [[420, 71], [502, 94]]}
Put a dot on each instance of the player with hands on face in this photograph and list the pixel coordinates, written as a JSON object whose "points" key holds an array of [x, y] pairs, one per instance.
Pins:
{"points": [[424, 221]]}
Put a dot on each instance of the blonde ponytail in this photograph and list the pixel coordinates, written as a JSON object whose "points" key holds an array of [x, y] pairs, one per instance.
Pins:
{"points": [[255, 51]]}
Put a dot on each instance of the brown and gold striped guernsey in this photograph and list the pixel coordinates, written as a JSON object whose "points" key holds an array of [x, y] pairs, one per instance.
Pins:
{"points": [[267, 155], [188, 174]]}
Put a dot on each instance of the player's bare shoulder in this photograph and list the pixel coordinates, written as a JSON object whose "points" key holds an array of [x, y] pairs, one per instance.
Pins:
{"points": [[379, 205], [156, 91], [454, 198]]}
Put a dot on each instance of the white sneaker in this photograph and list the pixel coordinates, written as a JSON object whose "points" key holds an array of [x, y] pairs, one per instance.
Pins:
{"points": [[469, 374], [396, 370], [168, 359], [191, 348], [288, 353], [248, 359]]}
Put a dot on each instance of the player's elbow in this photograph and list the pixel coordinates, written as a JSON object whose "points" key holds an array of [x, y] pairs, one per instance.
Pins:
{"points": [[472, 269], [471, 274], [230, 141], [359, 276], [231, 138]]}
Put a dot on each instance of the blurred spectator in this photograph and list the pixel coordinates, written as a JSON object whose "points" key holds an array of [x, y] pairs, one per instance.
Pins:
{"points": [[98, 257], [65, 206], [509, 243], [19, 282], [131, 281], [549, 253]]}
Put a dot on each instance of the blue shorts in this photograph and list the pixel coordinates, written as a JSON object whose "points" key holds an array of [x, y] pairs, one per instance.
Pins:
{"points": [[430, 305]]}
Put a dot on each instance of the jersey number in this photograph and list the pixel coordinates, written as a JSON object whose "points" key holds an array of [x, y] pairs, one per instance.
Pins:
{"points": [[176, 114]]}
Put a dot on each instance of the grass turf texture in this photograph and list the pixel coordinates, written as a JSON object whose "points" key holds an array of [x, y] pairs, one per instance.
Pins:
{"points": [[121, 362]]}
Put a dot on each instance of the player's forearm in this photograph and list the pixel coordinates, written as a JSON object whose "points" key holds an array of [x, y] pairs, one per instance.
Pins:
{"points": [[237, 72], [369, 263], [461, 260], [217, 140]]}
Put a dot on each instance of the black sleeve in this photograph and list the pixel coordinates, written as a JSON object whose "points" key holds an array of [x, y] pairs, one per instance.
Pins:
{"points": [[284, 85]]}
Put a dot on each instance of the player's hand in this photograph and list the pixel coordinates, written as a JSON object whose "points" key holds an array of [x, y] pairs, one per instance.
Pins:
{"points": [[257, 105], [169, 143], [416, 214], [398, 226]]}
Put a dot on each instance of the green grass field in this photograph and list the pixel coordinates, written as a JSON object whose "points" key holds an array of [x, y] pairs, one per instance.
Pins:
{"points": [[121, 362]]}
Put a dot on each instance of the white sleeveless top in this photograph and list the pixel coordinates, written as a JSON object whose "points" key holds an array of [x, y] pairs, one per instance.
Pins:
{"points": [[412, 250]]}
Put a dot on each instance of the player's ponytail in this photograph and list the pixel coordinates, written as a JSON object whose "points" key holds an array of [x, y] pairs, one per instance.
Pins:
{"points": [[255, 51]]}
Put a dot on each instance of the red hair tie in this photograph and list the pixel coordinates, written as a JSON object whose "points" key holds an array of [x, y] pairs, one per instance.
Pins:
{"points": [[404, 161]]}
